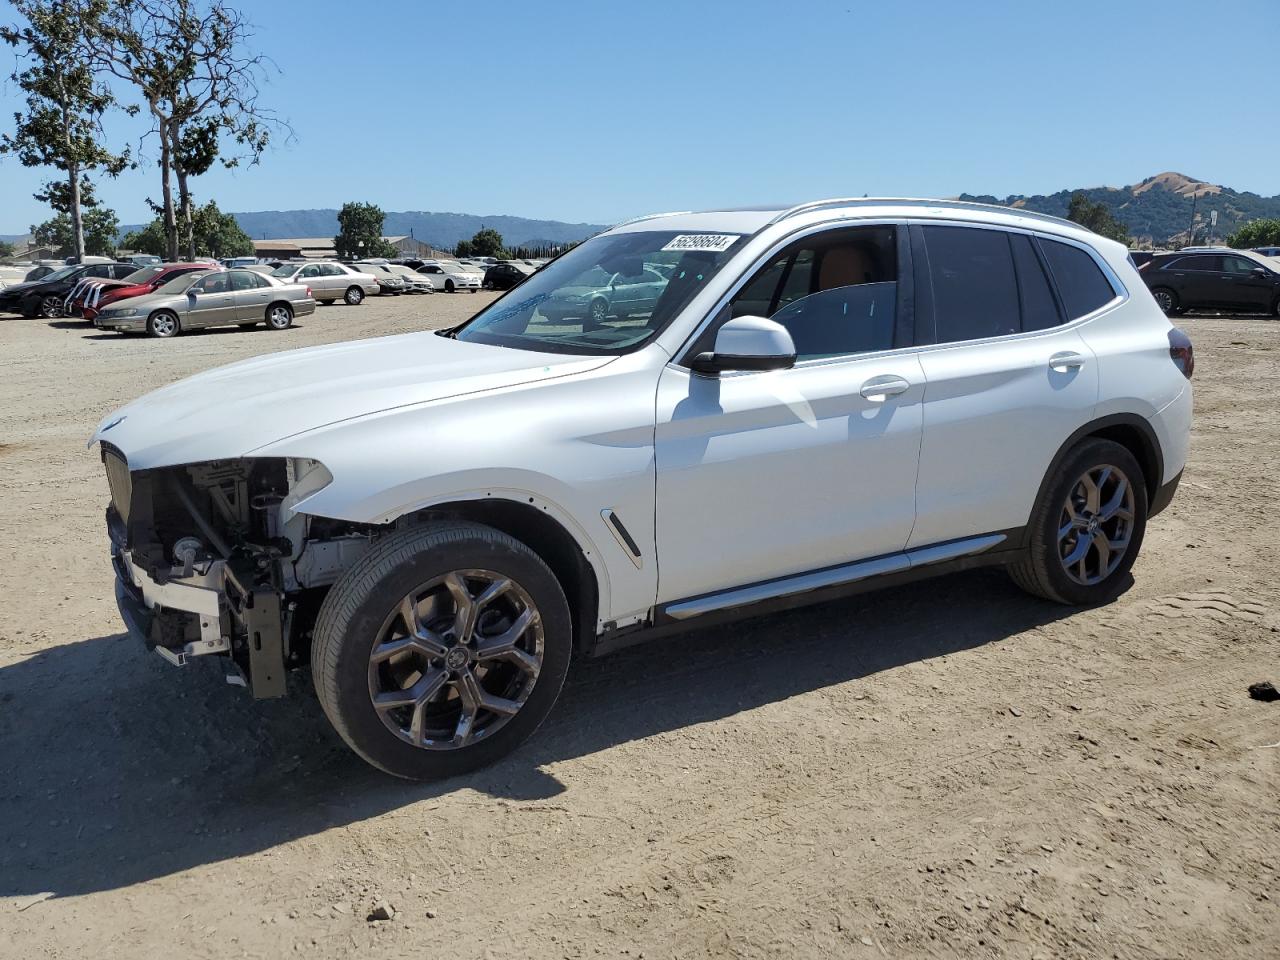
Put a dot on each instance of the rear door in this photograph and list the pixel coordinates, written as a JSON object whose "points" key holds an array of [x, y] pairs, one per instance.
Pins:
{"points": [[1006, 380], [252, 294]]}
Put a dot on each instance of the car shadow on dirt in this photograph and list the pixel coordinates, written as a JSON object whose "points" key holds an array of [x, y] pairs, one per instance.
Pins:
{"points": [[118, 769]]}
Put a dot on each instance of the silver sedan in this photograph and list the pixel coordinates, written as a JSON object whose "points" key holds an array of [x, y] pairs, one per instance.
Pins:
{"points": [[211, 299]]}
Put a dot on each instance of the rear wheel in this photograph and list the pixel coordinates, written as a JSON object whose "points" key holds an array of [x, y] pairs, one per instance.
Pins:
{"points": [[279, 316], [441, 650], [354, 296], [163, 324], [1087, 531], [1166, 300]]}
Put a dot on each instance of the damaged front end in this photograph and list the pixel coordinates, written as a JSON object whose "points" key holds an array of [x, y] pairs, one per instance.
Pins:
{"points": [[212, 559]]}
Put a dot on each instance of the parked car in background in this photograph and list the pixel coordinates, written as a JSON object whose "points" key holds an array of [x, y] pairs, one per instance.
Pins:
{"points": [[143, 259], [1141, 257], [1235, 281], [329, 280], [415, 282], [599, 295], [42, 270], [794, 420], [210, 298], [389, 281], [91, 294], [230, 262], [1268, 251], [450, 276], [504, 276], [43, 297]]}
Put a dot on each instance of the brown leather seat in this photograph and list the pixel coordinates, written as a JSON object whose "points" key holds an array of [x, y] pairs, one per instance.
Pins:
{"points": [[844, 267]]}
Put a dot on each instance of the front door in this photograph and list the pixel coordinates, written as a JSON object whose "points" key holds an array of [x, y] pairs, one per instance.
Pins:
{"points": [[209, 302], [762, 475], [1243, 289]]}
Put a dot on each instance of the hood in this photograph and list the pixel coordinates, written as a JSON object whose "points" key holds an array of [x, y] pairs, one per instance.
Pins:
{"points": [[231, 411]]}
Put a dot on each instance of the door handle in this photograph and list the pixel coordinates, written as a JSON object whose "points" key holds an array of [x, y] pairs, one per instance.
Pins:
{"points": [[1062, 362], [880, 389]]}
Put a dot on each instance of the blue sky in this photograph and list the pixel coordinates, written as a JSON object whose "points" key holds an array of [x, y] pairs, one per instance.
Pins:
{"points": [[596, 111]]}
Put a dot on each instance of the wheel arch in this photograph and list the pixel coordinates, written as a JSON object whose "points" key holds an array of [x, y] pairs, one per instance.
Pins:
{"points": [[1132, 432], [546, 536], [277, 303]]}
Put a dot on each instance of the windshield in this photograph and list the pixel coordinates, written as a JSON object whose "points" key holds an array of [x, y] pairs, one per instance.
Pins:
{"points": [[608, 295], [142, 276], [60, 274], [180, 283], [286, 270]]}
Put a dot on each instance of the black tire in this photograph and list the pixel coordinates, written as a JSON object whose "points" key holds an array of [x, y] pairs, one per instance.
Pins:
{"points": [[354, 296], [164, 324], [1166, 300], [51, 307], [361, 602], [1042, 570], [1275, 308], [449, 287], [30, 308], [279, 316]]}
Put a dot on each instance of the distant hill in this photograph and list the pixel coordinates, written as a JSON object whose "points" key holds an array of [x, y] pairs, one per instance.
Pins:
{"points": [[1159, 208], [437, 229]]}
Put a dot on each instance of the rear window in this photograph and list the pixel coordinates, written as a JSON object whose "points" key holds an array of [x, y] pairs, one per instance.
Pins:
{"points": [[975, 294], [1081, 283]]}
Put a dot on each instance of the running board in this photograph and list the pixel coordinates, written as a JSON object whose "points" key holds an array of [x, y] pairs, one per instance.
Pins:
{"points": [[832, 576]]}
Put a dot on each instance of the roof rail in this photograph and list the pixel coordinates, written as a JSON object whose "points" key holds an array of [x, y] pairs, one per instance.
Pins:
{"points": [[894, 201], [649, 216]]}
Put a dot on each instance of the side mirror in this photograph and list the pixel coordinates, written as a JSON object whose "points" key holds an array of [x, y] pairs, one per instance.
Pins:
{"points": [[748, 343], [1259, 271]]}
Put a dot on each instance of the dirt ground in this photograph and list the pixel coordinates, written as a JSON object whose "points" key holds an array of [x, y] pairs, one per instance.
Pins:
{"points": [[949, 769]]}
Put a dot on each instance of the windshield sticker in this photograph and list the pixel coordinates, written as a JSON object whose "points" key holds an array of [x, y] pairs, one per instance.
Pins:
{"points": [[714, 242]]}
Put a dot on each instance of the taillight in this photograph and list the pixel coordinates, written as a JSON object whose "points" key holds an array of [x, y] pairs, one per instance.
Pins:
{"points": [[1182, 352]]}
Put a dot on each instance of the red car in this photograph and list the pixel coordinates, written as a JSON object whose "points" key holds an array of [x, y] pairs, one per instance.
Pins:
{"points": [[91, 295]]}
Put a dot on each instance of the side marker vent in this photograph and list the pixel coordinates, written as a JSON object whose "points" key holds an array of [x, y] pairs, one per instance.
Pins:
{"points": [[622, 535]]}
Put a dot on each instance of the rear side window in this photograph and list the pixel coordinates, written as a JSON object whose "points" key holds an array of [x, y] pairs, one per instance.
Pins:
{"points": [[975, 293], [1081, 283], [1039, 311], [1200, 262]]}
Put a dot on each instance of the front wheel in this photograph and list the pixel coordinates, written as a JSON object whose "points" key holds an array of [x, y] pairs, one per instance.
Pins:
{"points": [[279, 316], [449, 287], [1086, 532], [163, 324], [354, 296], [441, 650]]}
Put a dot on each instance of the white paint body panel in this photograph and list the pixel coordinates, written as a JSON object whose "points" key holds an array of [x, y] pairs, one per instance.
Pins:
{"points": [[720, 483]]}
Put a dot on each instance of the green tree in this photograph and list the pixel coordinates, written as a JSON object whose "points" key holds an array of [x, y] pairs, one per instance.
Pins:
{"points": [[99, 224], [6, 249], [188, 63], [1256, 233], [487, 243], [61, 126], [360, 232], [1096, 217], [214, 234], [463, 249]]}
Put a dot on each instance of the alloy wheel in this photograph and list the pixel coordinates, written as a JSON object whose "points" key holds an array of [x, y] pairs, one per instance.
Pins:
{"points": [[456, 660], [51, 307], [164, 325], [599, 311], [1096, 524], [279, 318], [1164, 300]]}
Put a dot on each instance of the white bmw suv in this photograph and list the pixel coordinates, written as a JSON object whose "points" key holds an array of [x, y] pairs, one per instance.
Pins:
{"points": [[687, 418]]}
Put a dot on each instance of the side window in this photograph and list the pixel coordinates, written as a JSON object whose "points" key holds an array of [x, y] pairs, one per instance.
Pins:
{"points": [[215, 283], [1039, 311], [242, 280], [1081, 283], [311, 270], [835, 292], [1200, 262], [975, 294], [99, 270], [1238, 265]]}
